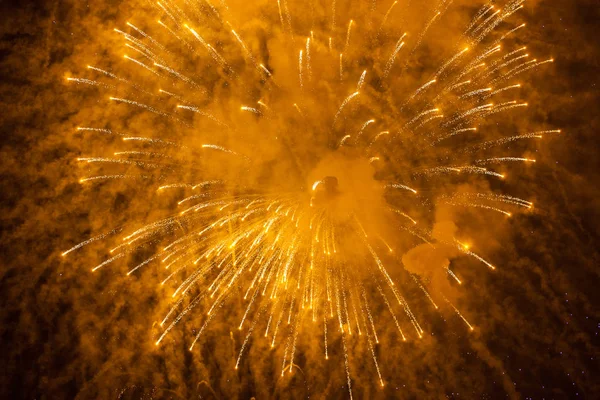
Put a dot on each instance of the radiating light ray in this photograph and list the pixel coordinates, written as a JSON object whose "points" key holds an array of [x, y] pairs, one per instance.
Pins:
{"points": [[361, 80], [392, 59], [89, 82], [387, 14], [459, 314], [400, 186], [348, 36], [495, 160], [363, 127], [420, 90], [499, 142], [344, 103]]}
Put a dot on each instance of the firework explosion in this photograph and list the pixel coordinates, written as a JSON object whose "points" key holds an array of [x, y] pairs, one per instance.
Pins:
{"points": [[302, 156]]}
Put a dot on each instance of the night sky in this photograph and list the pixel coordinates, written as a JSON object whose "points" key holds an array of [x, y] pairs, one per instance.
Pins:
{"points": [[68, 333]]}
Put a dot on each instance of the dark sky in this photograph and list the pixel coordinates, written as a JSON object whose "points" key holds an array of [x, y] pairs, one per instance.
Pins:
{"points": [[62, 333]]}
